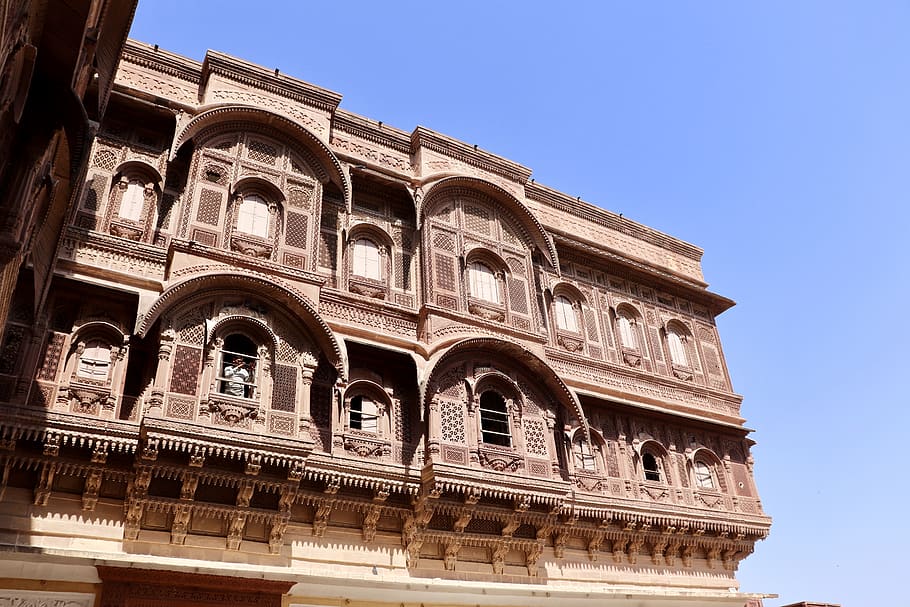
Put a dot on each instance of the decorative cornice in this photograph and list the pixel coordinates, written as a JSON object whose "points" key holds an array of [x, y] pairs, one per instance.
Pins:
{"points": [[375, 132], [607, 219], [235, 260], [27, 424], [185, 437], [651, 382], [114, 244], [694, 290], [423, 137], [153, 58], [258, 77]]}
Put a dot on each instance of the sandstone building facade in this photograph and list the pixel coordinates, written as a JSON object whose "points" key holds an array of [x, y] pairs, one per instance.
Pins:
{"points": [[288, 355]]}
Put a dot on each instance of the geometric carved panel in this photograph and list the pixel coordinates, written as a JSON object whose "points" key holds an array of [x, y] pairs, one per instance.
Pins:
{"points": [[185, 374], [452, 418]]}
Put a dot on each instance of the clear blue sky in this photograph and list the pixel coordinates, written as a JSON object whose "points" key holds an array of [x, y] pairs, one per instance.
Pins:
{"points": [[773, 134]]}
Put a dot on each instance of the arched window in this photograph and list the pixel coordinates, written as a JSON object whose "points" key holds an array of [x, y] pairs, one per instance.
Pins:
{"points": [[704, 479], [566, 319], [95, 360], [651, 467], [584, 455], [494, 420], [367, 260], [133, 202], [253, 216], [364, 414], [239, 364], [483, 282], [675, 342], [627, 331]]}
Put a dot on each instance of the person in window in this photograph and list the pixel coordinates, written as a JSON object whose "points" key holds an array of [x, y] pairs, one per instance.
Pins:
{"points": [[238, 375]]}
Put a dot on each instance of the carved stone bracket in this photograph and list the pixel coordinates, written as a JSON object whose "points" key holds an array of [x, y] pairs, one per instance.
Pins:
{"points": [[321, 519], [370, 519], [532, 557], [45, 483], [90, 491], [133, 519], [235, 531], [498, 558], [180, 524], [276, 534], [451, 554], [245, 494]]}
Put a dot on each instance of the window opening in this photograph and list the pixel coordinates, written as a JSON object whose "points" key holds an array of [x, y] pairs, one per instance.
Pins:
{"points": [[584, 456], [649, 463], [133, 201], [703, 477], [364, 414], [677, 349], [483, 282], [366, 259], [95, 360], [565, 314], [494, 420], [238, 367], [253, 217], [627, 333]]}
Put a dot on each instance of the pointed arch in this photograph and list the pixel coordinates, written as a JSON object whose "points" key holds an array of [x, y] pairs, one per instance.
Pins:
{"points": [[232, 282], [237, 117], [532, 229]]}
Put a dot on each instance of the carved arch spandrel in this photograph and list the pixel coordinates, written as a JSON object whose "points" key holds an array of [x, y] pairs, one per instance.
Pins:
{"points": [[511, 355], [240, 117], [532, 230], [231, 283]]}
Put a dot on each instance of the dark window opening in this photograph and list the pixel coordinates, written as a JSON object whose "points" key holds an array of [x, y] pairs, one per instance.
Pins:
{"points": [[649, 463], [238, 367], [363, 415], [494, 420]]}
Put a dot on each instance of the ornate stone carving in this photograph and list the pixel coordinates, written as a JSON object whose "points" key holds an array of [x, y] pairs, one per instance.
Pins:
{"points": [[501, 461], [486, 313], [180, 525], [321, 518], [90, 491], [370, 519], [236, 526]]}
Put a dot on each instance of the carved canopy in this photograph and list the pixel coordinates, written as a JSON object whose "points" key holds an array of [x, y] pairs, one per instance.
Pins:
{"points": [[233, 283]]}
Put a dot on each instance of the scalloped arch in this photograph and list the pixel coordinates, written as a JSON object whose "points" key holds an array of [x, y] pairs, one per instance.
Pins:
{"points": [[370, 231], [220, 114], [228, 282], [254, 183], [559, 287], [519, 355], [706, 454], [99, 327], [532, 228], [141, 166]]}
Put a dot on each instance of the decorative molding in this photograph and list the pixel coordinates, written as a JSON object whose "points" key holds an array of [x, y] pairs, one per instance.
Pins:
{"points": [[462, 152], [257, 77]]}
